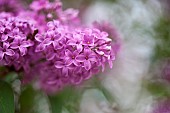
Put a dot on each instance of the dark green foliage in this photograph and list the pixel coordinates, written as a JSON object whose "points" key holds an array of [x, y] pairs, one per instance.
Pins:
{"points": [[162, 49], [158, 89], [68, 99], [27, 100], [6, 98]]}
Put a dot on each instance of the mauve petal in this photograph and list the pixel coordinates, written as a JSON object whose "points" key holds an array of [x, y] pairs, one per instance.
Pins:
{"points": [[39, 48], [14, 45], [59, 64], [108, 39], [103, 67], [79, 48], [68, 53], [99, 52], [71, 42], [7, 61], [65, 71], [68, 62], [88, 41], [96, 35], [104, 34], [80, 58], [87, 51], [39, 38], [87, 65], [50, 56], [4, 37], [47, 41], [76, 52], [9, 52], [6, 45], [87, 75], [76, 63], [92, 58], [53, 24], [50, 33], [57, 37], [18, 38], [1, 55], [110, 64], [2, 29], [50, 24], [77, 79], [77, 36], [56, 45], [22, 51], [107, 56], [56, 23], [15, 30], [113, 57], [52, 82], [27, 43]]}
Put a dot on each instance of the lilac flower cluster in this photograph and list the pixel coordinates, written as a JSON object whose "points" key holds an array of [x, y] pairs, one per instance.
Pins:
{"points": [[15, 39], [77, 53], [59, 51]]}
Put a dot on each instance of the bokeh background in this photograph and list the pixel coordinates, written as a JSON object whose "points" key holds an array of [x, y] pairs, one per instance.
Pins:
{"points": [[139, 79]]}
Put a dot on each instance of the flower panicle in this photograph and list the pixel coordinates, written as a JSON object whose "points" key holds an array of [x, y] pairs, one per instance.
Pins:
{"points": [[15, 39], [76, 53], [48, 44]]}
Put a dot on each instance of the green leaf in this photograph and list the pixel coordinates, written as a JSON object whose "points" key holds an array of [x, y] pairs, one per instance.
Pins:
{"points": [[69, 99], [10, 77], [6, 98], [162, 38], [158, 89], [27, 100], [56, 103], [72, 102], [33, 101]]}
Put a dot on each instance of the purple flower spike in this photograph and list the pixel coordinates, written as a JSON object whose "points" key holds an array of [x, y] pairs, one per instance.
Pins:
{"points": [[78, 53], [50, 45], [16, 34]]}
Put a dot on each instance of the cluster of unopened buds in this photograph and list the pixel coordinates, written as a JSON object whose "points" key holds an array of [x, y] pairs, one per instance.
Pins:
{"points": [[51, 46]]}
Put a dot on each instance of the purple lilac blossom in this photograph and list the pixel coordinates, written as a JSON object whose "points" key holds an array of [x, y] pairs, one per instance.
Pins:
{"points": [[62, 53], [77, 54], [15, 39]]}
